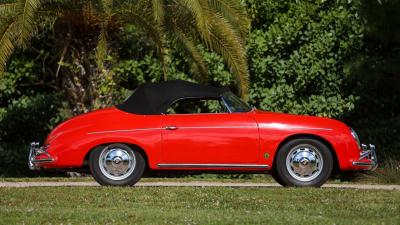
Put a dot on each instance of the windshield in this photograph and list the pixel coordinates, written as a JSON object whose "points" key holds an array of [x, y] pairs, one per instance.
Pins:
{"points": [[234, 103]]}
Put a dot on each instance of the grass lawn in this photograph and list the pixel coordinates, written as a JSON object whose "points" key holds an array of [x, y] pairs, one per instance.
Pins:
{"points": [[187, 205]]}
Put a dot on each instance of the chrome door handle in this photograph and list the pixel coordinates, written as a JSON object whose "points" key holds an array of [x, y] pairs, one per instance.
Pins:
{"points": [[171, 128]]}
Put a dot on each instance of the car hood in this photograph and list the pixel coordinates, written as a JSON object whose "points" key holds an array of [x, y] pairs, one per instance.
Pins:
{"points": [[291, 121]]}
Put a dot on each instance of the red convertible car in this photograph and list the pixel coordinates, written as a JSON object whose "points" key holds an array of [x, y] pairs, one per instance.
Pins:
{"points": [[178, 125]]}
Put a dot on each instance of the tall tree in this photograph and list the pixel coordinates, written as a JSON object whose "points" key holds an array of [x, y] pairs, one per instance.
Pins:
{"points": [[86, 27]]}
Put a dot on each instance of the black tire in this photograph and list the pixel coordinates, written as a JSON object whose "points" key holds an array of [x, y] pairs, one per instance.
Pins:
{"points": [[103, 177], [305, 151]]}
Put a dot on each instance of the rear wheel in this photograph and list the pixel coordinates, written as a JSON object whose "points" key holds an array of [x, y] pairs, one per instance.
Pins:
{"points": [[303, 162], [116, 165]]}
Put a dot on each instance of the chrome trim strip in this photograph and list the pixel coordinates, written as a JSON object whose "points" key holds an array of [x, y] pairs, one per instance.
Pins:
{"points": [[282, 126], [202, 165], [363, 163], [43, 160], [271, 125], [216, 127], [130, 130], [164, 128]]}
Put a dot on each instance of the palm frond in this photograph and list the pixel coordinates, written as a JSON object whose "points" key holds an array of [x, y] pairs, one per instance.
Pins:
{"points": [[107, 6], [227, 43], [226, 33], [199, 66], [26, 20], [221, 24], [159, 17], [158, 12], [140, 16], [88, 15], [234, 12], [197, 9], [8, 36], [101, 48], [136, 15], [7, 9], [106, 17], [19, 30]]}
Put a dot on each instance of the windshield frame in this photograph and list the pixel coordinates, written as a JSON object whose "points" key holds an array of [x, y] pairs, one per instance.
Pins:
{"points": [[228, 98]]}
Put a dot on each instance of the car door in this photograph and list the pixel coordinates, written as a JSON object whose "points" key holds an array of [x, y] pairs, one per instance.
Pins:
{"points": [[209, 138]]}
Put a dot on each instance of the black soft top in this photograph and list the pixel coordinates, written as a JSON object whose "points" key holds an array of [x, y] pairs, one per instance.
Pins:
{"points": [[155, 98]]}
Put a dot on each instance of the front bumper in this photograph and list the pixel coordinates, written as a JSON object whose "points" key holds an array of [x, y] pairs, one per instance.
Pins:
{"points": [[38, 156], [368, 159]]}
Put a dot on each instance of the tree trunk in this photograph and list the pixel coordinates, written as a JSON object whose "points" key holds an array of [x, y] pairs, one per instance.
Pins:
{"points": [[80, 80]]}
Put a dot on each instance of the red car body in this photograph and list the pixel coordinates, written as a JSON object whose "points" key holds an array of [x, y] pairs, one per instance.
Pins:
{"points": [[240, 141], [230, 138]]}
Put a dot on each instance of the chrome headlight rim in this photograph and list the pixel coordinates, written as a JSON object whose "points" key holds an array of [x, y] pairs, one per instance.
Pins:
{"points": [[355, 136]]}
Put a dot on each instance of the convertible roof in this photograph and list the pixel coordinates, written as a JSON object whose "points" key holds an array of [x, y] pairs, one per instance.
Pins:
{"points": [[155, 98]]}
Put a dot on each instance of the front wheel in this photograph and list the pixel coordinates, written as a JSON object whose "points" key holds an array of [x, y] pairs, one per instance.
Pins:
{"points": [[116, 165], [303, 162]]}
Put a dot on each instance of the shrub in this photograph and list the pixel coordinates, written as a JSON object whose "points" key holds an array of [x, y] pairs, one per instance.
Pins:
{"points": [[28, 110], [298, 54]]}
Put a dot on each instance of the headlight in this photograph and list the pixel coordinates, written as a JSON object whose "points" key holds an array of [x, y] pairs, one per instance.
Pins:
{"points": [[356, 138]]}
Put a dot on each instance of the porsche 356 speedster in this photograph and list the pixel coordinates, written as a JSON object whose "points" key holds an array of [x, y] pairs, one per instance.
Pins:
{"points": [[178, 125]]}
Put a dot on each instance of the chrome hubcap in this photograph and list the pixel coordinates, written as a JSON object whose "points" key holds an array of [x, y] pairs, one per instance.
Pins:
{"points": [[117, 163], [304, 162]]}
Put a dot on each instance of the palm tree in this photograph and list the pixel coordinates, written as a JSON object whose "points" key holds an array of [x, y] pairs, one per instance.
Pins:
{"points": [[221, 25]]}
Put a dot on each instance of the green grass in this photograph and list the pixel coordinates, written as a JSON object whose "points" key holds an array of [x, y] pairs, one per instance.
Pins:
{"points": [[186, 205]]}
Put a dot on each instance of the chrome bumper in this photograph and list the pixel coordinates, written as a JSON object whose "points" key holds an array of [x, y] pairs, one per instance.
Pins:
{"points": [[36, 151], [367, 157]]}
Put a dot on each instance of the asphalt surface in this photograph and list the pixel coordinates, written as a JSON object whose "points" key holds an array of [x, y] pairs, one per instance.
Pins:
{"points": [[195, 184]]}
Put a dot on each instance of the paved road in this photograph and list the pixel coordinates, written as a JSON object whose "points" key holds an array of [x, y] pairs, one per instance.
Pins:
{"points": [[195, 184]]}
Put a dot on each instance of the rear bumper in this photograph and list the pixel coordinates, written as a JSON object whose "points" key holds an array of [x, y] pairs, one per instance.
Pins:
{"points": [[38, 156], [368, 159]]}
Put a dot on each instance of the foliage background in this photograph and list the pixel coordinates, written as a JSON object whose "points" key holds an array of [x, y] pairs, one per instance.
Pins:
{"points": [[337, 58]]}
